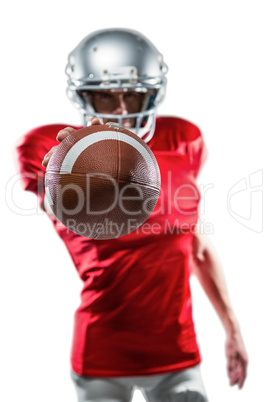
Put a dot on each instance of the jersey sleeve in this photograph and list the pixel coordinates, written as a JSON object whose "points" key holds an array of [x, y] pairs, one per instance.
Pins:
{"points": [[30, 152], [198, 153], [174, 134]]}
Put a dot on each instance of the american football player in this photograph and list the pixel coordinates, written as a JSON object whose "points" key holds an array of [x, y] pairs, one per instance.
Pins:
{"points": [[134, 327]]}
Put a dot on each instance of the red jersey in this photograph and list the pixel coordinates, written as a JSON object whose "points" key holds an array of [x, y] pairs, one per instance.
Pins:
{"points": [[135, 316]]}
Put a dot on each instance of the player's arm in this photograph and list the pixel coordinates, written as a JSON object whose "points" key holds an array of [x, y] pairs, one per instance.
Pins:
{"points": [[60, 137], [207, 268]]}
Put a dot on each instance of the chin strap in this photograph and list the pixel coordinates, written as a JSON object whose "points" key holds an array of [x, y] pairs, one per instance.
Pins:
{"points": [[145, 133]]}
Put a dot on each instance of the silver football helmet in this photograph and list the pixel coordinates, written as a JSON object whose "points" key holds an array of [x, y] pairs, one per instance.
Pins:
{"points": [[117, 59]]}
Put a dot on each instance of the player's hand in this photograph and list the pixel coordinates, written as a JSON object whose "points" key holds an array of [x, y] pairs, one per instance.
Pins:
{"points": [[60, 137], [237, 359]]}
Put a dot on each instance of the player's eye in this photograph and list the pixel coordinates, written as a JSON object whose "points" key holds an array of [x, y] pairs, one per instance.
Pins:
{"points": [[104, 96], [131, 95]]}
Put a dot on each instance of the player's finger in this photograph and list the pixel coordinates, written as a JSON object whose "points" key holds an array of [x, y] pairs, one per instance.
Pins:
{"points": [[95, 121], [241, 382], [243, 374], [231, 369], [64, 132], [238, 373], [231, 364], [238, 369], [48, 156], [234, 377]]}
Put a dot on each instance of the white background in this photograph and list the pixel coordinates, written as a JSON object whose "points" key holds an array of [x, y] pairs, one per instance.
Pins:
{"points": [[217, 57]]}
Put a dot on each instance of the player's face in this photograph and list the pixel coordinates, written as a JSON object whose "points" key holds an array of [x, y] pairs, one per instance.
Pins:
{"points": [[117, 102]]}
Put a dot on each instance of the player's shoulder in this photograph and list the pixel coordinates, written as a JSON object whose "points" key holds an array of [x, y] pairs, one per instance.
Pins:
{"points": [[172, 132], [44, 133], [178, 126]]}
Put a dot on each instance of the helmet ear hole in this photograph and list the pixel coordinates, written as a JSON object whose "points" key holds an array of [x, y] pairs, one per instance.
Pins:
{"points": [[84, 99]]}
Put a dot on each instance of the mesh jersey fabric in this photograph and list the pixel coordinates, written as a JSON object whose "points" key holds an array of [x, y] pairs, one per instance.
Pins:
{"points": [[135, 316]]}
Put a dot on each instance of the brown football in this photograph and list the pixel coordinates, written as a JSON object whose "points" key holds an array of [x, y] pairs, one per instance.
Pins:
{"points": [[102, 182]]}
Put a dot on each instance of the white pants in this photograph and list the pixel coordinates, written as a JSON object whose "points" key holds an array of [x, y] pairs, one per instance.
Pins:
{"points": [[182, 386]]}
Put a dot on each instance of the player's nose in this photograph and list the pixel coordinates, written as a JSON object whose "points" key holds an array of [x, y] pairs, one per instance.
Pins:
{"points": [[121, 107]]}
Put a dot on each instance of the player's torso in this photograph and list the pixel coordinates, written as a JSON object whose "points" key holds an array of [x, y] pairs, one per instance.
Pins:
{"points": [[175, 213], [135, 315]]}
